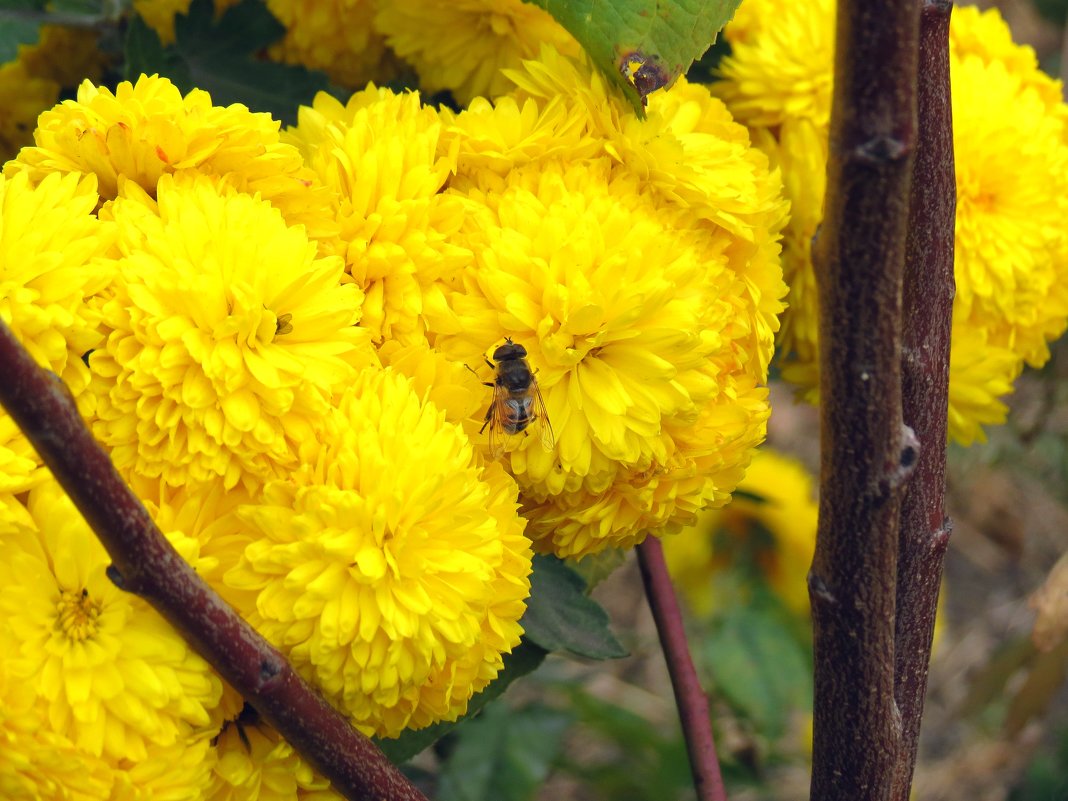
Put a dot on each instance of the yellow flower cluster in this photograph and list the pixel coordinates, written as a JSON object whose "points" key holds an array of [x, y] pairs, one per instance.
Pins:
{"points": [[280, 337], [459, 47], [637, 264], [1011, 151], [213, 341], [462, 46]]}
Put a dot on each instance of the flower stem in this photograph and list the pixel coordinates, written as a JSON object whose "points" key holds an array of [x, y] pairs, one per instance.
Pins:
{"points": [[928, 315], [145, 563], [867, 453], [689, 695]]}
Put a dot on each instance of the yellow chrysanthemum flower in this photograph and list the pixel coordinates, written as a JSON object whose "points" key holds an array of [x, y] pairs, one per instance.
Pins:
{"points": [[1012, 200], [393, 569], [36, 763], [255, 764], [688, 149], [781, 63], [1011, 152], [182, 770], [637, 346], [777, 499], [449, 385], [51, 246], [986, 36], [227, 337], [336, 37], [462, 46], [643, 282], [20, 469], [112, 675], [146, 130], [495, 137], [379, 152], [799, 150]]}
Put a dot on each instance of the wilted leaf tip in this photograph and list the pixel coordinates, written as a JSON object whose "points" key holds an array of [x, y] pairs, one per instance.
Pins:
{"points": [[645, 72]]}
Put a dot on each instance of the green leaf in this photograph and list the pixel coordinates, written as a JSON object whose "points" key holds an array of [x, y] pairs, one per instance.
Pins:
{"points": [[561, 617], [145, 54], [222, 58], [503, 754], [657, 766], [599, 566], [642, 45], [759, 666], [243, 29], [523, 660]]}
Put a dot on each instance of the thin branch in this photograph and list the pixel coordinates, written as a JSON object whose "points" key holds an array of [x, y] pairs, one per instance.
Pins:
{"points": [[689, 695], [867, 453], [144, 563], [928, 317]]}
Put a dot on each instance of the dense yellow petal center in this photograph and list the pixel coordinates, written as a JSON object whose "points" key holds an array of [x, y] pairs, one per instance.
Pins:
{"points": [[77, 615]]}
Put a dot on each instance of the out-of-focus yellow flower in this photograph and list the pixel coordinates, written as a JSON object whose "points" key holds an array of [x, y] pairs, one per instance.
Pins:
{"points": [[462, 46], [227, 337], [159, 14], [393, 569], [112, 675], [22, 97], [644, 284], [51, 246], [981, 373], [1011, 152], [32, 83], [67, 56], [773, 521], [379, 153], [336, 36], [146, 130], [255, 764]]}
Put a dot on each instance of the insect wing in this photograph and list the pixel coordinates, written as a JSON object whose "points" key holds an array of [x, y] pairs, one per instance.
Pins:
{"points": [[496, 415], [548, 441]]}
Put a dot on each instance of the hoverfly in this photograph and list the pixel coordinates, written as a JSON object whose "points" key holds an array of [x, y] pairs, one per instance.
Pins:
{"points": [[517, 401]]}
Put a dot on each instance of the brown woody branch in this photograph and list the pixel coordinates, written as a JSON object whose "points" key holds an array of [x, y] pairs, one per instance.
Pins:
{"points": [[867, 453], [689, 695], [928, 315], [144, 563]]}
